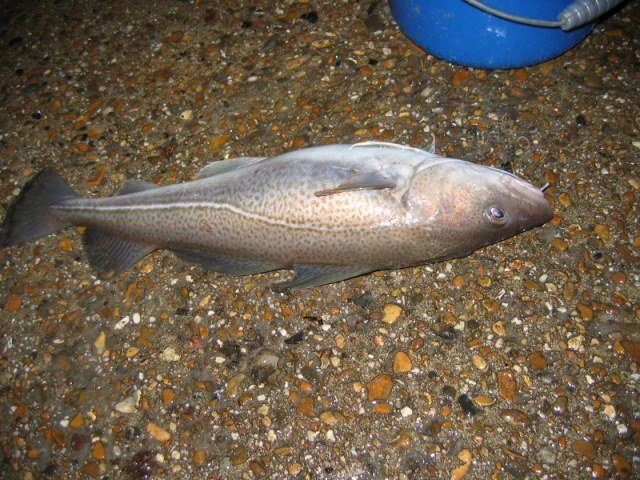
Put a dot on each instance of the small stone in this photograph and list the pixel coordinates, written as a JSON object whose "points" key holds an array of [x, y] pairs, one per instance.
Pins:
{"points": [[77, 421], [90, 469], [564, 200], [382, 408], [585, 311], [498, 328], [199, 456], [576, 343], [322, 43], [609, 410], [307, 406], [444, 331], [507, 385], [329, 418], [404, 440], [632, 349], [100, 343], [98, 177], [584, 448], [401, 362], [406, 411], [217, 142], [484, 281], [233, 385], [258, 469], [619, 277], [157, 432], [515, 417], [238, 455], [391, 313], [294, 468], [560, 405], [559, 244], [467, 405], [460, 75], [537, 361], [483, 400], [129, 404], [13, 303], [380, 388], [186, 115], [479, 362], [169, 355], [622, 465], [466, 457], [602, 231], [98, 451], [167, 396]]}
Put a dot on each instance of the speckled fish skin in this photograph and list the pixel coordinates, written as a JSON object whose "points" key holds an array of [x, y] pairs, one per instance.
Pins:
{"points": [[329, 212]]}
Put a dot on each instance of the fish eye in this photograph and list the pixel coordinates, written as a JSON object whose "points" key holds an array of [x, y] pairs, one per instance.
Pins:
{"points": [[496, 215]]}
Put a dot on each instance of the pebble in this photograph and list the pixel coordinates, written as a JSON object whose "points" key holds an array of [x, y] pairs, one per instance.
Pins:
{"points": [[100, 342], [129, 404], [498, 328], [479, 362], [330, 418], [459, 472], [537, 361], [560, 405], [391, 313], [157, 93], [380, 388], [585, 448], [216, 143], [13, 303], [401, 362], [515, 417], [406, 411], [507, 385], [444, 331], [602, 231], [98, 451], [157, 432], [307, 406], [576, 343]]}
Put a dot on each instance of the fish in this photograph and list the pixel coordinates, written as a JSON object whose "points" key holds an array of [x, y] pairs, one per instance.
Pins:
{"points": [[329, 213]]}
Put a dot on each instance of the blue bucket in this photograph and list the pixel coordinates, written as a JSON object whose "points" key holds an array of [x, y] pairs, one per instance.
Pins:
{"points": [[463, 34]]}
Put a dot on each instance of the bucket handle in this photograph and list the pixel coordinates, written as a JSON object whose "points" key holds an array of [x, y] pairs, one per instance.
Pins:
{"points": [[578, 13]]}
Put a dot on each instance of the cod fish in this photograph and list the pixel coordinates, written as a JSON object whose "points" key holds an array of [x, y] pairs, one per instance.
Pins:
{"points": [[329, 213]]}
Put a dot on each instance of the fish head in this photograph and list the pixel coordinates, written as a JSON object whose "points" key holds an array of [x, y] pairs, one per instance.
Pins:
{"points": [[469, 206]]}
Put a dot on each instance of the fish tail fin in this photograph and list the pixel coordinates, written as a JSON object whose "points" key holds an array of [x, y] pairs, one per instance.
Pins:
{"points": [[29, 216]]}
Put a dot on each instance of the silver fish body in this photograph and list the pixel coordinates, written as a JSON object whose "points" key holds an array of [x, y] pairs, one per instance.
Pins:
{"points": [[330, 213]]}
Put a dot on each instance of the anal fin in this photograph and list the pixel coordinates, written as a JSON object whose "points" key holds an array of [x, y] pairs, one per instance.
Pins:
{"points": [[226, 264], [315, 275], [110, 254]]}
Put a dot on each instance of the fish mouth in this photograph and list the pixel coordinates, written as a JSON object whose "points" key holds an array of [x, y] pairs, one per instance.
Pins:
{"points": [[538, 209]]}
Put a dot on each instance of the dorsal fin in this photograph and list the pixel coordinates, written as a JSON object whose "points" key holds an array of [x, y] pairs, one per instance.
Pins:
{"points": [[132, 185], [227, 165]]}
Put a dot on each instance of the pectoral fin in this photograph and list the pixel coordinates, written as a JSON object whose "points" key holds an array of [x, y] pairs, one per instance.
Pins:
{"points": [[226, 264], [314, 275], [376, 180]]}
